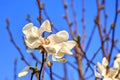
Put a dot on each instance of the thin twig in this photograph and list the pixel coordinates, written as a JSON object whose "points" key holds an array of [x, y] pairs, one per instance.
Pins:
{"points": [[13, 42], [51, 78], [41, 66], [15, 69], [97, 21], [113, 32]]}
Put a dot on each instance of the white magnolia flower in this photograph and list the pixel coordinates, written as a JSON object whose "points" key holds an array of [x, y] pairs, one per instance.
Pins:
{"points": [[56, 44], [33, 34], [59, 45], [107, 73], [101, 68]]}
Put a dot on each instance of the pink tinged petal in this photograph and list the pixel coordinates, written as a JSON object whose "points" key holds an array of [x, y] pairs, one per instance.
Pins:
{"points": [[46, 26], [24, 72], [27, 28], [105, 62]]}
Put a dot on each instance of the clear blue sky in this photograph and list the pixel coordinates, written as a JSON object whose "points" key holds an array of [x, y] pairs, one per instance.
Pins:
{"points": [[17, 10]]}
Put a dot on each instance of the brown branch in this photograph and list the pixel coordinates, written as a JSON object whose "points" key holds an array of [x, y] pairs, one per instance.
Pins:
{"points": [[14, 44], [75, 17], [48, 17], [66, 17], [83, 23], [40, 11], [28, 18], [97, 21]]}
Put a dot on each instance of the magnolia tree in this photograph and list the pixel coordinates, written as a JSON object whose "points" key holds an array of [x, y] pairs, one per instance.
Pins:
{"points": [[80, 56]]}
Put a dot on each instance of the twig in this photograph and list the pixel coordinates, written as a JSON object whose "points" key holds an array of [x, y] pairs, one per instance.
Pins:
{"points": [[32, 74], [113, 32], [40, 11], [97, 21], [13, 42], [75, 17], [41, 68], [90, 38], [67, 18], [51, 78], [15, 68]]}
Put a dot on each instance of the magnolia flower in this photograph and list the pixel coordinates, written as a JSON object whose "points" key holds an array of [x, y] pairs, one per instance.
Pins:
{"points": [[101, 68], [59, 45], [56, 44], [33, 34], [107, 73]]}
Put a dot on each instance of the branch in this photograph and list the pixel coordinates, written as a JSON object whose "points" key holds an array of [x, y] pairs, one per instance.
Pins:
{"points": [[14, 44]]}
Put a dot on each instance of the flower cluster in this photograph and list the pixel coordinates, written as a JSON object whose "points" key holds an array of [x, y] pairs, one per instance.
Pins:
{"points": [[55, 44], [103, 72]]}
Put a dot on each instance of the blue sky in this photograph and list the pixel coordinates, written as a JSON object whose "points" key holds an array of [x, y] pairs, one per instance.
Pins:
{"points": [[17, 10]]}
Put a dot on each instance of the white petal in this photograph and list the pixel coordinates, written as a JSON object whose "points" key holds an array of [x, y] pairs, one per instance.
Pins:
{"points": [[58, 60], [69, 44], [53, 49], [59, 55], [24, 72], [33, 45], [63, 60], [118, 56], [46, 26], [65, 50], [27, 27], [107, 78], [105, 62], [58, 37], [101, 68], [117, 63], [62, 35], [98, 75]]}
